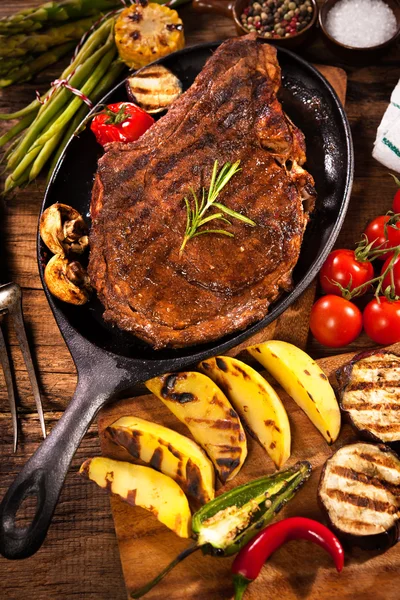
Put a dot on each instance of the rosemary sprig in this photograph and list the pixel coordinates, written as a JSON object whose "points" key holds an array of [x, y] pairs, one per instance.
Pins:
{"points": [[195, 216]]}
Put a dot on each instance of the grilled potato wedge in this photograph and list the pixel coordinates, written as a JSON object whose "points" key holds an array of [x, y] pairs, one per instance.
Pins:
{"points": [[142, 486], [304, 381], [153, 88], [257, 403], [359, 491], [146, 32], [167, 451], [369, 394], [196, 401]]}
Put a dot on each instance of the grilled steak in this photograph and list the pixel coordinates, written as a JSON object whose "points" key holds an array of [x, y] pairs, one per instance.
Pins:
{"points": [[370, 394], [360, 492], [219, 284]]}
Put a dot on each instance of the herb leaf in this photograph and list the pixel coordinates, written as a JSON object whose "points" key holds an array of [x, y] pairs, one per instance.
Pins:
{"points": [[194, 216]]}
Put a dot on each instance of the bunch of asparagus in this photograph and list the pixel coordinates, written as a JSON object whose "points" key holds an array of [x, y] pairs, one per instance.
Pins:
{"points": [[45, 126], [34, 39], [49, 126]]}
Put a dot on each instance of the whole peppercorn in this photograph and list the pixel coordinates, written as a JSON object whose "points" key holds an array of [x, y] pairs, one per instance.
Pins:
{"points": [[276, 18]]}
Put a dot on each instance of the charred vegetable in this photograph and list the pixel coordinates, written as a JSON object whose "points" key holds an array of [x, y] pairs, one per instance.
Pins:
{"points": [[369, 394], [142, 486], [196, 401], [167, 451], [359, 492], [153, 88], [67, 281], [302, 378], [145, 32], [63, 230], [256, 401], [120, 122], [224, 525]]}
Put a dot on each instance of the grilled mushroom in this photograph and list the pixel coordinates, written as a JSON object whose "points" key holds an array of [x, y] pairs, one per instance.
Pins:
{"points": [[153, 88], [67, 280], [359, 491], [63, 230]]}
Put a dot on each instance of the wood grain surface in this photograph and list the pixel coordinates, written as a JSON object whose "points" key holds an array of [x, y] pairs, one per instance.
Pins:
{"points": [[80, 556], [298, 570]]}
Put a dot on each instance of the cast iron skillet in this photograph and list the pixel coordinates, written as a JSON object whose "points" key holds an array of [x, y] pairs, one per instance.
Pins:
{"points": [[109, 362]]}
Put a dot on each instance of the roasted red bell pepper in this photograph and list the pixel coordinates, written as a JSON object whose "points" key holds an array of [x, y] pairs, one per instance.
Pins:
{"points": [[248, 563], [120, 122]]}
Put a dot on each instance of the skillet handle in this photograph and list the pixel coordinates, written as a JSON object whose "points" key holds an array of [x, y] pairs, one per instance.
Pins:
{"points": [[43, 475]]}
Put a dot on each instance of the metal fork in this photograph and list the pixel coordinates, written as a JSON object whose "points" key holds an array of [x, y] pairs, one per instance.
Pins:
{"points": [[11, 305]]}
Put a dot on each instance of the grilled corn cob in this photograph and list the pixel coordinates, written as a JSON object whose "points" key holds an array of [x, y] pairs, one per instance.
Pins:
{"points": [[145, 33]]}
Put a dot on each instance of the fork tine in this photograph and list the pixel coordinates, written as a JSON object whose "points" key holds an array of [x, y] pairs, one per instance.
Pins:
{"points": [[15, 313], [10, 387]]}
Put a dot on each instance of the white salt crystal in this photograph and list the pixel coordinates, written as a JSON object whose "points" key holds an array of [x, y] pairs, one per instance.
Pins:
{"points": [[361, 23]]}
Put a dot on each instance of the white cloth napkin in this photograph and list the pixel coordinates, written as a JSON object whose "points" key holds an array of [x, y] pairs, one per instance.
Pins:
{"points": [[387, 144]]}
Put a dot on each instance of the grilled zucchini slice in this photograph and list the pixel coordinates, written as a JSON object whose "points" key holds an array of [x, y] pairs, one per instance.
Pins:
{"points": [[359, 492], [153, 88], [145, 32], [369, 393]]}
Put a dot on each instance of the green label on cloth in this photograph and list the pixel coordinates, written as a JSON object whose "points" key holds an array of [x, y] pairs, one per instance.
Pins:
{"points": [[392, 147]]}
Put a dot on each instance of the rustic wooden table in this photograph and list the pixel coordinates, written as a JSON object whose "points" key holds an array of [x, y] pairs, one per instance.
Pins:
{"points": [[80, 557]]}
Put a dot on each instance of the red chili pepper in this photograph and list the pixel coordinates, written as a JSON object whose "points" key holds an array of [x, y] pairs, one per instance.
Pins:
{"points": [[120, 122], [248, 563]]}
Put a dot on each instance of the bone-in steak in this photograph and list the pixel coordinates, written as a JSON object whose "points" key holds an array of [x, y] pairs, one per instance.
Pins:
{"points": [[219, 284]]}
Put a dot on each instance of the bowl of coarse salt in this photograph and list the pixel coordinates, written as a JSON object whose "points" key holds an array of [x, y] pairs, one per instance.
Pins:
{"points": [[359, 30]]}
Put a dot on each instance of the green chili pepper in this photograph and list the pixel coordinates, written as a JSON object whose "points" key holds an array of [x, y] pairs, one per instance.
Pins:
{"points": [[224, 525]]}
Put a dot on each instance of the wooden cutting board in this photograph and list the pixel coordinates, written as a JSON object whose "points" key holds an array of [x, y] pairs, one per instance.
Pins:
{"points": [[297, 570]]}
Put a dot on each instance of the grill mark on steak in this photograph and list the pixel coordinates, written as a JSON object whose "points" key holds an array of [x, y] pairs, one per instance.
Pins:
{"points": [[219, 284]]}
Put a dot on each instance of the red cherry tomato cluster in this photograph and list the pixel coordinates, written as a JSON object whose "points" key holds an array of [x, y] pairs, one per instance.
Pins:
{"points": [[335, 320]]}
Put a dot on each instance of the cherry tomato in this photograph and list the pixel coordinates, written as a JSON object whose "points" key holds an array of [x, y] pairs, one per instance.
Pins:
{"points": [[343, 267], [375, 232], [396, 275], [396, 202], [335, 321], [393, 232], [120, 122], [382, 320]]}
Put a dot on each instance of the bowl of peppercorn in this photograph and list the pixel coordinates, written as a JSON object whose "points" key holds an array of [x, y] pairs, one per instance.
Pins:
{"points": [[287, 23], [360, 35]]}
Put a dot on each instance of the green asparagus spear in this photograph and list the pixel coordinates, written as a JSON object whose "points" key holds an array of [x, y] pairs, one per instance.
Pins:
{"points": [[73, 106], [53, 127], [53, 13], [47, 112], [102, 88], [94, 41], [21, 172], [20, 126], [7, 64], [29, 69], [45, 153], [12, 184], [21, 44]]}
